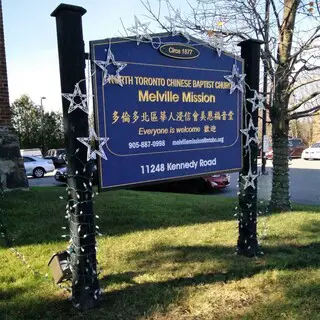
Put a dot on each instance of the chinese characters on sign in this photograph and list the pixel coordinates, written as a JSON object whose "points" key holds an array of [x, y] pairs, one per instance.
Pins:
{"points": [[156, 116]]}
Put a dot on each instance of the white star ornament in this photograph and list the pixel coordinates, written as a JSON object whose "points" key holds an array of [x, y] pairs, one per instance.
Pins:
{"points": [[91, 154]]}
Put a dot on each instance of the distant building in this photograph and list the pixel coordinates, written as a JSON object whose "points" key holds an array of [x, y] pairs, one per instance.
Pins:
{"points": [[12, 173]]}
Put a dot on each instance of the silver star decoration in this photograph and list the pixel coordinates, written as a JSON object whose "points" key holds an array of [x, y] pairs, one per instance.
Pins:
{"points": [[247, 131], [91, 154], [219, 44], [83, 98], [103, 65], [141, 30], [235, 79], [173, 25], [257, 101], [249, 179], [216, 42]]}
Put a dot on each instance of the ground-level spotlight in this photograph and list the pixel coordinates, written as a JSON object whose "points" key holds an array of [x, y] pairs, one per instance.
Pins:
{"points": [[60, 266]]}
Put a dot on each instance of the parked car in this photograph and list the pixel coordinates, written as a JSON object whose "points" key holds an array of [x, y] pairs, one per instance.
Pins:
{"points": [[61, 175], [37, 167], [57, 156], [195, 185], [311, 153], [35, 152], [217, 181], [296, 147]]}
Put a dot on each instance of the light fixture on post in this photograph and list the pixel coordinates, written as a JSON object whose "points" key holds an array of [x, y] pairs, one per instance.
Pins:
{"points": [[60, 267]]}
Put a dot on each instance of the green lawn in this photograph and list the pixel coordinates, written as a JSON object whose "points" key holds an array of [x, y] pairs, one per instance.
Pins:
{"points": [[162, 256]]}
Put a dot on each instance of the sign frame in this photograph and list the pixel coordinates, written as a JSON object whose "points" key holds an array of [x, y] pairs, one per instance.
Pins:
{"points": [[96, 113]]}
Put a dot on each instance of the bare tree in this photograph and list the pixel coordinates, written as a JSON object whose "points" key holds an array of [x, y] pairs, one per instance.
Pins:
{"points": [[290, 30]]}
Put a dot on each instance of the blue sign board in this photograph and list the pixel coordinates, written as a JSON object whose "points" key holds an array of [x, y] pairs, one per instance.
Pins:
{"points": [[171, 116]]}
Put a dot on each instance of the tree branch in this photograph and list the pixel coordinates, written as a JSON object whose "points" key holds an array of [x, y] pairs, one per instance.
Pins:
{"points": [[157, 19], [260, 21], [303, 114], [311, 39], [303, 68], [301, 85], [303, 101], [276, 14]]}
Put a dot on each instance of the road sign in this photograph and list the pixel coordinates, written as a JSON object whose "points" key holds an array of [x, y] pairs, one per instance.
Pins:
{"points": [[171, 116]]}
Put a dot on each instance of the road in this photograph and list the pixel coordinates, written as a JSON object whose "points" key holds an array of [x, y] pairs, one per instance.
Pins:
{"points": [[304, 186], [47, 181], [304, 182]]}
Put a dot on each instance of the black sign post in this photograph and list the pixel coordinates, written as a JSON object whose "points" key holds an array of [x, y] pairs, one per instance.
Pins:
{"points": [[85, 286], [247, 241]]}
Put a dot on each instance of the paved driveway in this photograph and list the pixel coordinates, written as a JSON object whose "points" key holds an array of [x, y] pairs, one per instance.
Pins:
{"points": [[304, 177], [47, 181], [304, 182]]}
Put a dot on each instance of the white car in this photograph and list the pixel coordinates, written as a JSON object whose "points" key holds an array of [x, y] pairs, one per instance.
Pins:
{"points": [[37, 167], [312, 153]]}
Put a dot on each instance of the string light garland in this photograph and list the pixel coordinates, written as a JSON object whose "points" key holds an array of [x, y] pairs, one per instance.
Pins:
{"points": [[75, 215], [82, 229], [247, 211], [264, 215]]}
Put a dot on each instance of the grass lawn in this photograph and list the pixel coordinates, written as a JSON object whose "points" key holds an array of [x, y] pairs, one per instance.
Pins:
{"points": [[162, 256]]}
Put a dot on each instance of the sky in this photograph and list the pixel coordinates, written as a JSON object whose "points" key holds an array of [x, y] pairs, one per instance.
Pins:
{"points": [[31, 41]]}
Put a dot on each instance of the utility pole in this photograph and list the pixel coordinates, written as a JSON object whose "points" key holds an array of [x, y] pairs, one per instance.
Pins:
{"points": [[42, 119], [265, 87]]}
